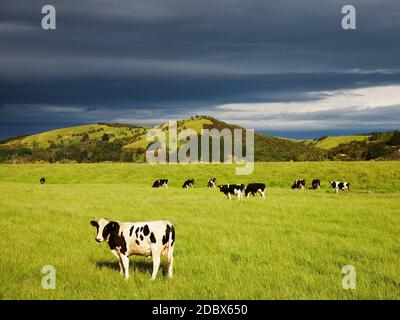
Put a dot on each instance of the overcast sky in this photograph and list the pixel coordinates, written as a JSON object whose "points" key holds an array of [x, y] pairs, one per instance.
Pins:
{"points": [[284, 67]]}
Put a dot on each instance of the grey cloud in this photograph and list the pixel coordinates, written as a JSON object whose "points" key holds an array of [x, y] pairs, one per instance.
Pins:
{"points": [[121, 59]]}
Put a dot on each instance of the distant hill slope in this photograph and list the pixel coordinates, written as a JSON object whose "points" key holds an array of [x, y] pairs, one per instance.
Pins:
{"points": [[78, 134], [334, 141], [128, 143]]}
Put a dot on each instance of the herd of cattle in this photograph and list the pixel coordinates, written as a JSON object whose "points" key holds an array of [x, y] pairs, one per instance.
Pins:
{"points": [[240, 190], [156, 238]]}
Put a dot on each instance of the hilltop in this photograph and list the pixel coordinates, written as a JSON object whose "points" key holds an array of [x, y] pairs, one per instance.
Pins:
{"points": [[127, 143]]}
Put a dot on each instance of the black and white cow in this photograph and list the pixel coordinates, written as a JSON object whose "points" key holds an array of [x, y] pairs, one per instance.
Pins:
{"points": [[154, 238], [299, 184], [254, 188], [339, 185], [160, 183], [212, 183], [316, 184], [42, 180], [188, 183], [232, 189]]}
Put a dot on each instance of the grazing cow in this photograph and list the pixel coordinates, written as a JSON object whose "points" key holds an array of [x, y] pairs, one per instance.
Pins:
{"points": [[188, 183], [299, 184], [232, 189], [212, 183], [42, 180], [254, 188], [155, 238], [339, 185], [316, 184], [160, 183]]}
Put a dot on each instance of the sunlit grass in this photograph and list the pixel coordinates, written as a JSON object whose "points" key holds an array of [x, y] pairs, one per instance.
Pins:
{"points": [[292, 245]]}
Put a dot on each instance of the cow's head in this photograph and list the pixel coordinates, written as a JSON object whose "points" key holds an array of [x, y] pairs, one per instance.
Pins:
{"points": [[104, 229]]}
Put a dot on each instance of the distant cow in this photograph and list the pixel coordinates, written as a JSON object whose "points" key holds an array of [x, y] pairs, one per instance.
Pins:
{"points": [[188, 183], [254, 188], [316, 184], [155, 239], [232, 189], [299, 184], [42, 180], [338, 185], [160, 183], [212, 183]]}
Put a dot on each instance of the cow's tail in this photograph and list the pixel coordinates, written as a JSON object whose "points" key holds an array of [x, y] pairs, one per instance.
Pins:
{"points": [[171, 243]]}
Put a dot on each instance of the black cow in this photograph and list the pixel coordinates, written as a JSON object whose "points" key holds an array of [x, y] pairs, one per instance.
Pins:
{"points": [[212, 183], [188, 183], [299, 184], [232, 189], [42, 180], [160, 183], [339, 185], [254, 188], [316, 184]]}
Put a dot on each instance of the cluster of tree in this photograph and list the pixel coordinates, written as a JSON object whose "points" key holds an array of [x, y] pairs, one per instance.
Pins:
{"points": [[379, 146]]}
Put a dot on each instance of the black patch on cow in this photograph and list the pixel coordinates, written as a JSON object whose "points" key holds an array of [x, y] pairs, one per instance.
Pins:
{"points": [[152, 238], [341, 185], [115, 240], [141, 237], [137, 230], [137, 242], [146, 230], [173, 235], [165, 238], [131, 231], [141, 229]]}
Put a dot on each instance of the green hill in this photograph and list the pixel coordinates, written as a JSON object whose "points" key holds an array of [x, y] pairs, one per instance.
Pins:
{"points": [[128, 143], [334, 141]]}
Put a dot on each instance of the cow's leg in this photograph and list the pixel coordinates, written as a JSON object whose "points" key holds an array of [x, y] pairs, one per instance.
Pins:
{"points": [[170, 258], [125, 263], [262, 194], [121, 268], [229, 196], [155, 254], [337, 190]]}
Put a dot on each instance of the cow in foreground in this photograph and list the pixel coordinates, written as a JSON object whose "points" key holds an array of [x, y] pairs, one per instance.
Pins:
{"points": [[339, 185], [160, 183], [154, 238], [299, 184], [253, 188], [316, 184], [232, 190], [212, 183], [188, 183]]}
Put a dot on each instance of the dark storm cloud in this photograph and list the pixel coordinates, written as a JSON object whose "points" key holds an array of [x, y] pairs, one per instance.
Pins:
{"points": [[157, 59]]}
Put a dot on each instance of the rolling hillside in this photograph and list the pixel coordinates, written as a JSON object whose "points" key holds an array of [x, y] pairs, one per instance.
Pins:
{"points": [[331, 142], [128, 143]]}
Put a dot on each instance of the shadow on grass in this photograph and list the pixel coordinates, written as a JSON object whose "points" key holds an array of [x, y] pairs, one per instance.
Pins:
{"points": [[144, 266]]}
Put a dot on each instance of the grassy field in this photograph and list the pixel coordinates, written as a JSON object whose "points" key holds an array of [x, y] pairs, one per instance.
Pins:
{"points": [[292, 245]]}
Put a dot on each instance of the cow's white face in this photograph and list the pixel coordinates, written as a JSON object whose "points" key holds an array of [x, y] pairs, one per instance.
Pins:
{"points": [[101, 236]]}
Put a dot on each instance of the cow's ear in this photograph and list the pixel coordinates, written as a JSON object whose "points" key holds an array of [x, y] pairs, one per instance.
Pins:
{"points": [[94, 223]]}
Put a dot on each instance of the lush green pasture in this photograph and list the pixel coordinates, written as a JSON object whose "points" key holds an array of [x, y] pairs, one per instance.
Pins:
{"points": [[292, 245]]}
